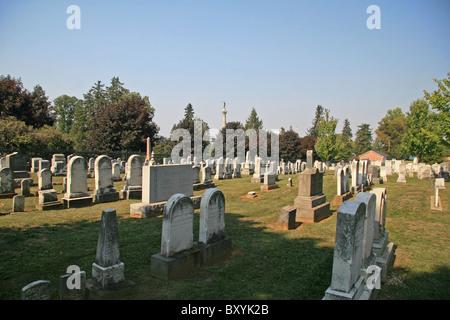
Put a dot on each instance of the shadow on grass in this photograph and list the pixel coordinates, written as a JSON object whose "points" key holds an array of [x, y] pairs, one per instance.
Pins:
{"points": [[264, 264]]}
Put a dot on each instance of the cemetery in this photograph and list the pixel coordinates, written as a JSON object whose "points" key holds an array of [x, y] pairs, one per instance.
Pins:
{"points": [[309, 230]]}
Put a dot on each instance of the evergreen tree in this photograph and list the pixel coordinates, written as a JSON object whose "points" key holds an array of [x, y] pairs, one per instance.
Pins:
{"points": [[345, 142], [253, 121], [312, 131], [363, 140]]}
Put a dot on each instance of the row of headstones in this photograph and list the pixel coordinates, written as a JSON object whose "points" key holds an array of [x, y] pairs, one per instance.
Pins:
{"points": [[363, 256], [179, 254]]}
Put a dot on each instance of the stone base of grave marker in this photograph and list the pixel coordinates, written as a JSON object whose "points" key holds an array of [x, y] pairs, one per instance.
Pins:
{"points": [[287, 218], [66, 293], [77, 202], [177, 265], [148, 210], [214, 252], [7, 195], [106, 197], [339, 199], [312, 209], [256, 179], [132, 193], [354, 294], [377, 180], [437, 207], [48, 200], [202, 186], [385, 252], [269, 187]]}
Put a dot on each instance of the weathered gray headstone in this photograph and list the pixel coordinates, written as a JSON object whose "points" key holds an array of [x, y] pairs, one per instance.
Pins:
{"points": [[270, 179], [346, 280], [309, 159], [108, 271], [25, 187], [287, 217], [18, 203], [178, 256], [104, 185], [6, 181], [77, 194], [369, 199], [37, 290], [133, 177], [45, 180]]}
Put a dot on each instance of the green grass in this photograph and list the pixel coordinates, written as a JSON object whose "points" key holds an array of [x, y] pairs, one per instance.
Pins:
{"points": [[266, 262]]}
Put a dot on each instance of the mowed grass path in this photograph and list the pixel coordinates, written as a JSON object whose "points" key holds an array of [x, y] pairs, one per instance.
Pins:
{"points": [[266, 262]]}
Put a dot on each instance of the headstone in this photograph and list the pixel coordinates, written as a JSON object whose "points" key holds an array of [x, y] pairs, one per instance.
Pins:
{"points": [[213, 243], [25, 188], [6, 182], [77, 194], [44, 164], [37, 290], [195, 174], [258, 175], [59, 164], [369, 199], [309, 159], [382, 247], [355, 176], [424, 172], [270, 179], [115, 171], [311, 202], [35, 164], [286, 218], [45, 180], [108, 276], [220, 169], [178, 256], [70, 291], [236, 168], [346, 282], [18, 203], [18, 164], [133, 176], [159, 183], [401, 173], [104, 185]]}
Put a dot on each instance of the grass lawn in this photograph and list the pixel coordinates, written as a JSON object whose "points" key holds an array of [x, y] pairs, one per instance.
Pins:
{"points": [[266, 262]]}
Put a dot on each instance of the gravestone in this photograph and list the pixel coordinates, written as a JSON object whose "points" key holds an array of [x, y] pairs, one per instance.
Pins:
{"points": [[311, 203], [178, 256], [77, 194], [25, 188], [346, 282], [45, 180], [382, 247], [115, 171], [342, 182], [355, 176], [236, 168], [18, 204], [309, 159], [108, 277], [104, 184], [270, 179], [286, 218], [368, 257], [258, 175], [37, 290], [228, 166], [6, 183], [18, 164], [133, 176], [59, 164], [195, 174], [213, 243], [220, 169], [401, 173], [159, 183], [35, 164], [44, 164]]}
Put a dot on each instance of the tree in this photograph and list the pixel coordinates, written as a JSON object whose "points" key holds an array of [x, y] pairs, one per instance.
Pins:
{"points": [[345, 142], [312, 131], [307, 143], [64, 110], [422, 138], [116, 91], [32, 108], [326, 147], [440, 102], [363, 140], [124, 125], [290, 145], [390, 132], [253, 122]]}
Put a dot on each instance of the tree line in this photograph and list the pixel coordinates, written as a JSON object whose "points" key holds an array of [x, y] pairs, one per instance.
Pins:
{"points": [[112, 118]]}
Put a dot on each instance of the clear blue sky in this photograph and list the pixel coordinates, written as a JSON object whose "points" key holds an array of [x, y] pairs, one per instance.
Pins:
{"points": [[281, 57]]}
